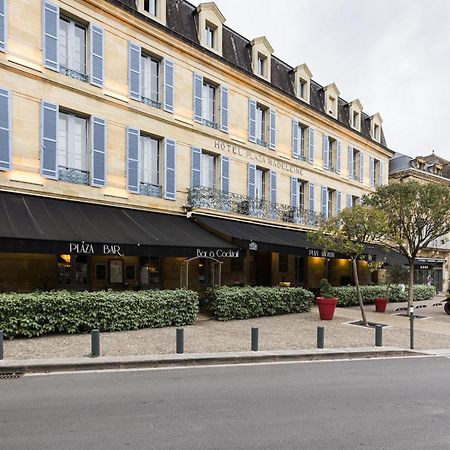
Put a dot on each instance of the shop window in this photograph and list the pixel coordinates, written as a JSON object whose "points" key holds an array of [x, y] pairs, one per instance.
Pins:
{"points": [[64, 270], [299, 270], [130, 272], [237, 264], [72, 44], [150, 80], [150, 166], [283, 263], [150, 273], [100, 272], [73, 148]]}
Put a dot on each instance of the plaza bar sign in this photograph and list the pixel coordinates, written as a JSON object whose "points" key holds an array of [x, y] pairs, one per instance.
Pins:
{"points": [[257, 157], [321, 253], [219, 253], [84, 248]]}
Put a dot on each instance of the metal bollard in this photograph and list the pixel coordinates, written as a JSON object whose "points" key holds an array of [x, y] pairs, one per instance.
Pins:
{"points": [[320, 337], [95, 343], [255, 337], [378, 336], [411, 327], [180, 340], [1, 344]]}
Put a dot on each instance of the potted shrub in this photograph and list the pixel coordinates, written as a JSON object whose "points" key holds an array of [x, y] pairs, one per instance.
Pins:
{"points": [[395, 274], [380, 304], [326, 302]]}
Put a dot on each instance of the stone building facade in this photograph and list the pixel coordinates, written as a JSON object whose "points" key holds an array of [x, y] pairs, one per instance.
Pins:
{"points": [[147, 144]]}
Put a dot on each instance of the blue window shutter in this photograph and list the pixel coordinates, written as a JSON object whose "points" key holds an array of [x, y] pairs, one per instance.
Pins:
{"points": [[372, 170], [295, 138], [338, 202], [311, 145], [350, 162], [196, 167], [134, 71], [97, 52], [349, 201], [252, 120], [224, 109], [170, 179], [381, 181], [325, 151], [50, 17], [169, 86], [273, 129], [323, 201], [3, 26], [273, 187], [198, 98], [338, 157], [294, 193], [361, 167], [98, 152], [133, 160], [49, 140], [251, 180], [5, 130], [225, 174]]}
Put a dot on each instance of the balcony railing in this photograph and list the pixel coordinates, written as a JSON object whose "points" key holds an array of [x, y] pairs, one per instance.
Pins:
{"points": [[209, 198], [151, 190], [151, 102], [72, 175], [73, 74], [210, 124]]}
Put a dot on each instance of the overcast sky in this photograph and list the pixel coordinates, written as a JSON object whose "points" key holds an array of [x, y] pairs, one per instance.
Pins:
{"points": [[394, 55]]}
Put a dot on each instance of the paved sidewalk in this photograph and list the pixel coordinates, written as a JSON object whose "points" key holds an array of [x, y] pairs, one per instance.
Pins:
{"points": [[288, 332]]}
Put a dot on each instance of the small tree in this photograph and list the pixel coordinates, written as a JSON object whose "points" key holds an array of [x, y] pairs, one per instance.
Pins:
{"points": [[349, 232], [419, 213], [395, 274]]}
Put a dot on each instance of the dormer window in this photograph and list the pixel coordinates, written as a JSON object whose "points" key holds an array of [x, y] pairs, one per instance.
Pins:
{"points": [[261, 57], [376, 132], [262, 60], [331, 106], [331, 100], [356, 119], [210, 35], [355, 113], [210, 25], [155, 9], [150, 7], [302, 82]]}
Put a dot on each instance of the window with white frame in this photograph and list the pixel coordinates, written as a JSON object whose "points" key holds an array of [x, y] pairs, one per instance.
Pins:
{"points": [[331, 194], [302, 140], [376, 132], [260, 184], [332, 106], [210, 35], [261, 124], [208, 170], [300, 197], [150, 164], [376, 166], [355, 200], [356, 164], [209, 104], [332, 154], [303, 89], [72, 45], [72, 148], [150, 80], [356, 120], [150, 7], [261, 65]]}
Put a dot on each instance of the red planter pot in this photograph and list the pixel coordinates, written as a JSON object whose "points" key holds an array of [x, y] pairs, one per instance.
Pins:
{"points": [[380, 304], [327, 307]]}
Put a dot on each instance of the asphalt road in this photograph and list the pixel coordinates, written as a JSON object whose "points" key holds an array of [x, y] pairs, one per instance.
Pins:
{"points": [[373, 404]]}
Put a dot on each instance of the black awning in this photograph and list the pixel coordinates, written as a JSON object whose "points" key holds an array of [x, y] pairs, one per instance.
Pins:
{"points": [[46, 225], [267, 238], [388, 256]]}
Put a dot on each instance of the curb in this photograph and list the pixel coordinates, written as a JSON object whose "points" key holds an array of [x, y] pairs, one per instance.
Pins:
{"points": [[194, 360]]}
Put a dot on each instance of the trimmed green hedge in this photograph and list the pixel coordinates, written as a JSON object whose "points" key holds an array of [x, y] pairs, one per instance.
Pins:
{"points": [[229, 303], [42, 313], [347, 294]]}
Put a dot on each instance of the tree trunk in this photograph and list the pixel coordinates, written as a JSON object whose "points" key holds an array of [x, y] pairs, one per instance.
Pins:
{"points": [[411, 284], [358, 291]]}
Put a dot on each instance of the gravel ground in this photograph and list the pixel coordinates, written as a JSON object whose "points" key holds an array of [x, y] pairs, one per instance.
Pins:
{"points": [[292, 331]]}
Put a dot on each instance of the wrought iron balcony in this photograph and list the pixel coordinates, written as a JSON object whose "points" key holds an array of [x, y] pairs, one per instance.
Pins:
{"points": [[151, 190], [209, 198], [151, 102], [73, 74], [261, 143], [210, 124], [72, 175]]}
